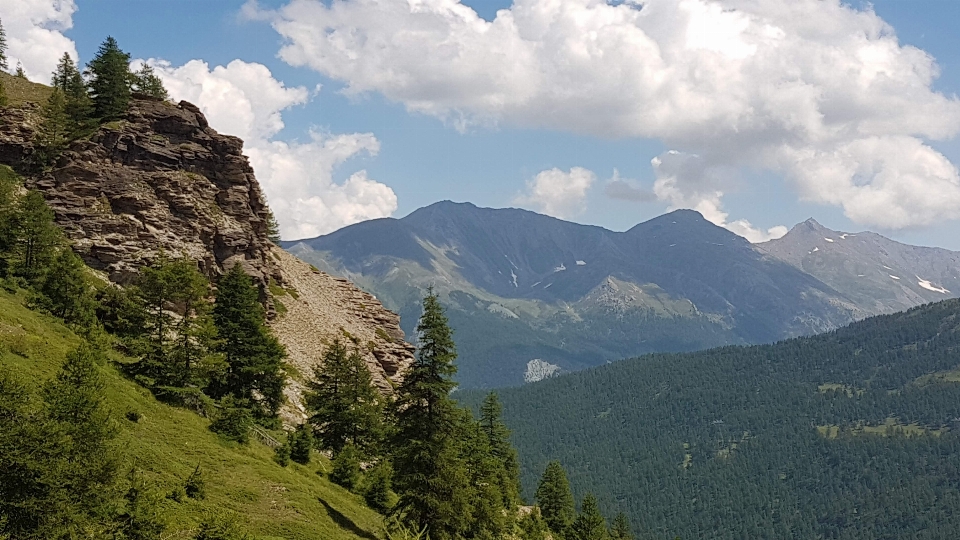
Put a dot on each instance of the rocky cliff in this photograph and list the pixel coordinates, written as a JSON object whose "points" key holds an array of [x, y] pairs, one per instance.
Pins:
{"points": [[162, 180]]}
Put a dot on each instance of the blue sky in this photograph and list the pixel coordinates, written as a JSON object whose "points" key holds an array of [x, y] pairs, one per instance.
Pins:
{"points": [[422, 155]]}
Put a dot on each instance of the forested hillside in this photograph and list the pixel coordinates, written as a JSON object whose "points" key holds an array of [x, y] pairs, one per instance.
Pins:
{"points": [[850, 434]]}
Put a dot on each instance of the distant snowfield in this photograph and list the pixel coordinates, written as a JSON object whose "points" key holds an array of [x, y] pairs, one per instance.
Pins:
{"points": [[930, 286], [581, 263], [829, 240], [894, 277]]}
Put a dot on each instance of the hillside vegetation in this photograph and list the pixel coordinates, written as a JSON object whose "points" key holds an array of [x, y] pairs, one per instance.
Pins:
{"points": [[167, 443], [850, 434]]}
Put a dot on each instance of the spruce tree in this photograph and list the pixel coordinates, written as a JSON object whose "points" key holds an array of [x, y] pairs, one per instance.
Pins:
{"points": [[376, 492], [590, 524], [4, 65], [141, 517], [64, 289], [19, 73], [146, 82], [346, 468], [555, 499], [620, 530], [78, 104], [55, 129], [489, 517], [110, 80], [343, 405], [498, 438], [35, 234], [430, 478], [254, 356], [301, 443]]}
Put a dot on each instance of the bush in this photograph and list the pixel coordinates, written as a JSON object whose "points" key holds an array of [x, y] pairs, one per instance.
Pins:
{"points": [[377, 490], [281, 454], [233, 420], [195, 487], [220, 527], [133, 416], [346, 468]]}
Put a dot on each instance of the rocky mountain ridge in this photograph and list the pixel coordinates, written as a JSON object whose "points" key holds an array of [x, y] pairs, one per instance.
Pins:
{"points": [[162, 180]]}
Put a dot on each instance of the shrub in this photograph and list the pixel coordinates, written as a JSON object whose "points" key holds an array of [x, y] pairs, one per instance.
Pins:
{"points": [[377, 490], [195, 487], [233, 420], [133, 416], [301, 442], [346, 467]]}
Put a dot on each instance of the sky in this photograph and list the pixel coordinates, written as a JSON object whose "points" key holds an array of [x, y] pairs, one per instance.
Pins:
{"points": [[757, 113]]}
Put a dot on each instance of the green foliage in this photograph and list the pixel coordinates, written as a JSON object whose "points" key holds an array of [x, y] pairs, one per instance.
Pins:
{"points": [[195, 487], [120, 312], [65, 290], [4, 100], [620, 530], [555, 499], [146, 82], [532, 526], [233, 420], [273, 229], [377, 482], [301, 444], [3, 48], [346, 468], [253, 355], [110, 80], [343, 405], [281, 454], [590, 524], [19, 73], [498, 440], [54, 130], [35, 236], [77, 103], [220, 527], [141, 516]]}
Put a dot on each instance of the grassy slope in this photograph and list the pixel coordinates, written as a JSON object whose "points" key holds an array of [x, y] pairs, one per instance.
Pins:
{"points": [[167, 443], [21, 90]]}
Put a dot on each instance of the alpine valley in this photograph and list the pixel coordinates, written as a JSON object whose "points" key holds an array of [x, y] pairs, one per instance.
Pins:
{"points": [[530, 296]]}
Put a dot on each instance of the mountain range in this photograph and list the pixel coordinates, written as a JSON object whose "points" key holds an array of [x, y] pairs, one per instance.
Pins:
{"points": [[559, 296]]}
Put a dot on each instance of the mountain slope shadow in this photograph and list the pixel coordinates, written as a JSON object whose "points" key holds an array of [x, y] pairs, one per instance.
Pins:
{"points": [[344, 522]]}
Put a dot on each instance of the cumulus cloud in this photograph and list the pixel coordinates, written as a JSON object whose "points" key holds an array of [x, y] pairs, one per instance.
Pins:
{"points": [[558, 193], [35, 37], [245, 100], [816, 90]]}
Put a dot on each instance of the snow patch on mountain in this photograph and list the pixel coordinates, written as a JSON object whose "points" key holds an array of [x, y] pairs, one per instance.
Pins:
{"points": [[560, 268], [829, 240], [581, 263], [930, 286], [894, 277], [514, 276]]}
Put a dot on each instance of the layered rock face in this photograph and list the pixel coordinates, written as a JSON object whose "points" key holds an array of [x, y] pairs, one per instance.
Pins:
{"points": [[160, 180]]}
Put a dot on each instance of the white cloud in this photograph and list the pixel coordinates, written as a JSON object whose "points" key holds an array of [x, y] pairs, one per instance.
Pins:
{"points": [[626, 189], [243, 99], [558, 193], [815, 90], [35, 37]]}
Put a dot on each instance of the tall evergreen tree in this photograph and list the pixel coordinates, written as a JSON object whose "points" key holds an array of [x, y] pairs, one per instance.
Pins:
{"points": [[254, 356], [343, 405], [19, 73], [35, 234], [110, 80], [78, 105], [3, 49], [301, 443], [145, 81], [555, 499], [498, 438], [429, 476], [620, 530], [489, 517], [55, 129], [3, 95], [590, 524]]}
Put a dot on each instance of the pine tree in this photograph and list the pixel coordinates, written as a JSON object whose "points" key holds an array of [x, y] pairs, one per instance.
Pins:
{"points": [[555, 499], [55, 129], [430, 477], [35, 234], [301, 443], [110, 80], [498, 438], [78, 105], [254, 356], [145, 81], [141, 517], [65, 291], [590, 524], [620, 530], [19, 73], [489, 517], [233, 420], [346, 468], [195, 487], [377, 490], [89, 472], [273, 229], [3, 49], [344, 407]]}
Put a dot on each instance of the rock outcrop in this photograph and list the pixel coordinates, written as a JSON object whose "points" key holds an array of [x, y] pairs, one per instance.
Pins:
{"points": [[316, 309], [160, 179]]}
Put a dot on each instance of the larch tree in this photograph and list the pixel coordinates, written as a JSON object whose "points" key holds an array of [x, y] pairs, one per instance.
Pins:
{"points": [[254, 356], [35, 234], [78, 105], [146, 81], [55, 129], [620, 530], [343, 405], [65, 291], [590, 524], [429, 474], [555, 499], [498, 438], [110, 80]]}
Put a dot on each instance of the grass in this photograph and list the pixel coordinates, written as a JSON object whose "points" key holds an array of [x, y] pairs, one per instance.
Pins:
{"points": [[167, 443], [20, 90]]}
